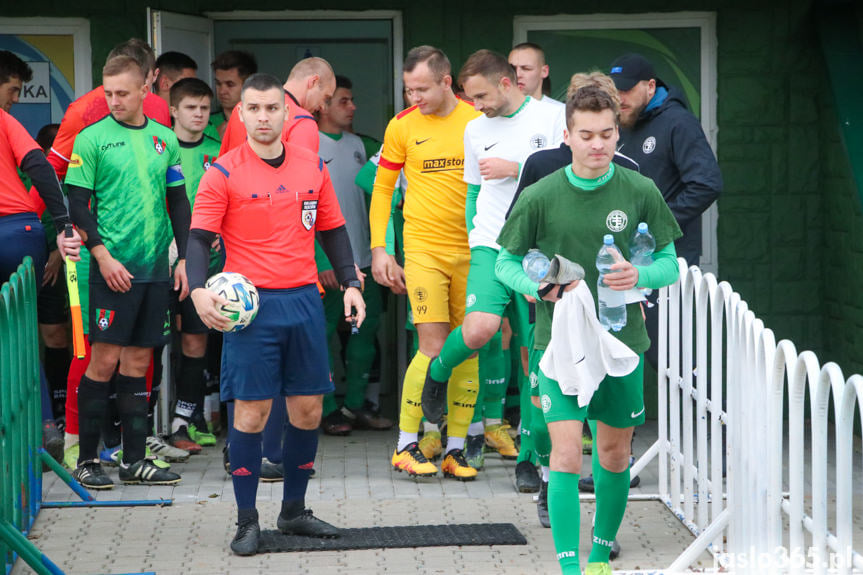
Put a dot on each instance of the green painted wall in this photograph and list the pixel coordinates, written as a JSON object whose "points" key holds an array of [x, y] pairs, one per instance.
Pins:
{"points": [[842, 249], [790, 223]]}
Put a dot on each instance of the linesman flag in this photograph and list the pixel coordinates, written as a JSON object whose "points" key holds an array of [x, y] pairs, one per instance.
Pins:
{"points": [[74, 303]]}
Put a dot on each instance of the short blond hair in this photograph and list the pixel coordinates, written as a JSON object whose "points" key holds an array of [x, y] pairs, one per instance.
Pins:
{"points": [[122, 64], [595, 78]]}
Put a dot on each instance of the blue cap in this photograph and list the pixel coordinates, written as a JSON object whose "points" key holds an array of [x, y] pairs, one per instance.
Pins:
{"points": [[608, 239], [642, 228]]}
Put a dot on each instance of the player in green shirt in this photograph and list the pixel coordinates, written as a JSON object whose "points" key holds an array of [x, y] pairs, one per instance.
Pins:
{"points": [[230, 70], [123, 170], [568, 213], [190, 100]]}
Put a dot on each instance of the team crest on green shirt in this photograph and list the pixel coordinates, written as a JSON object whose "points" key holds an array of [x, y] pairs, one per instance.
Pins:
{"points": [[208, 161], [104, 318], [159, 144], [616, 220]]}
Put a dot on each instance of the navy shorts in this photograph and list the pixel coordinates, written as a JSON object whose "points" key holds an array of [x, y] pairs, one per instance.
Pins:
{"points": [[282, 352], [22, 235]]}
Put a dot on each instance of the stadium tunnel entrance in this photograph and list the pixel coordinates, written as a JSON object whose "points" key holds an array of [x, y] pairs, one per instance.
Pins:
{"points": [[364, 46]]}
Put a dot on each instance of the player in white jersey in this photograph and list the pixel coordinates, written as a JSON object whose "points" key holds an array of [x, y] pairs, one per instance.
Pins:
{"points": [[344, 154], [512, 127], [531, 70]]}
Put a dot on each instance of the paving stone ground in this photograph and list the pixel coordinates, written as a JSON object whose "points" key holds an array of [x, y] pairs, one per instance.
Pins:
{"points": [[354, 487]]}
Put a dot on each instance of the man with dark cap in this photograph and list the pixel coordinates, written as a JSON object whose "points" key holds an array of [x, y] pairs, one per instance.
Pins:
{"points": [[667, 142]]}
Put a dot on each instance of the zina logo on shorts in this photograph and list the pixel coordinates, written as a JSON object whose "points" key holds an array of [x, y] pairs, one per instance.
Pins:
{"points": [[616, 221]]}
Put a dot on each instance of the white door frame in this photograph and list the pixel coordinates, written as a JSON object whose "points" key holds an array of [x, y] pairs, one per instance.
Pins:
{"points": [[79, 28], [706, 22], [185, 22], [395, 16]]}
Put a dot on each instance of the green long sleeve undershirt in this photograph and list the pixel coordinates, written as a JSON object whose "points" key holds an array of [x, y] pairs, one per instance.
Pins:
{"points": [[470, 205], [664, 270], [509, 270]]}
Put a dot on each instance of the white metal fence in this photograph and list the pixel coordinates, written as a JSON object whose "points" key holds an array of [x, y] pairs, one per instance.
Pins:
{"points": [[724, 385]]}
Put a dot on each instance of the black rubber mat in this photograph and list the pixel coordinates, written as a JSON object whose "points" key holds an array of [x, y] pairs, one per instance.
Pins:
{"points": [[273, 541]]}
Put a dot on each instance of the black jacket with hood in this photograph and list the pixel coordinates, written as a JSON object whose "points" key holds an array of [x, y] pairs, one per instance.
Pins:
{"points": [[670, 148]]}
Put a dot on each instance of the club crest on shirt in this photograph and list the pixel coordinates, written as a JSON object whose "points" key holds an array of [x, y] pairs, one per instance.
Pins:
{"points": [[616, 220], [649, 145], [538, 141], [158, 144], [208, 161], [358, 157], [309, 214]]}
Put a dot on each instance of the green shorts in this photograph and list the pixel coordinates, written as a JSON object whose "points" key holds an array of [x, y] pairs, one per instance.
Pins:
{"points": [[485, 292], [619, 401]]}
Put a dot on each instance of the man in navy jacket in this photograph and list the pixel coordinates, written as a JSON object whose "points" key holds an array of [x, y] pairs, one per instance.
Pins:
{"points": [[667, 142]]}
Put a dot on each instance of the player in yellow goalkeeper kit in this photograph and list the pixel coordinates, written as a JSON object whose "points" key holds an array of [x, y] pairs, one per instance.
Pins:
{"points": [[427, 141]]}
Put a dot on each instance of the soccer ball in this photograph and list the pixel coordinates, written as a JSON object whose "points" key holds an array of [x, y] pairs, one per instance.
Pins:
{"points": [[243, 300]]}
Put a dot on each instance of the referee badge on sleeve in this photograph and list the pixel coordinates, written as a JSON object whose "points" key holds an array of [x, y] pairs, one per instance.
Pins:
{"points": [[310, 213]]}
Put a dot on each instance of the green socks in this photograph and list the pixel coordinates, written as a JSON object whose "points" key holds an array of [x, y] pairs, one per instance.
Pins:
{"points": [[526, 449], [492, 377], [565, 515], [454, 352], [541, 438], [612, 492], [330, 404]]}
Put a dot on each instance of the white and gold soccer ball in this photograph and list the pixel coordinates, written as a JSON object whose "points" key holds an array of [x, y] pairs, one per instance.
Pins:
{"points": [[243, 299]]}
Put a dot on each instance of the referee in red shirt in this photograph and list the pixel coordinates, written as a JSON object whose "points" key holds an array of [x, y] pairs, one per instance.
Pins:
{"points": [[268, 199]]}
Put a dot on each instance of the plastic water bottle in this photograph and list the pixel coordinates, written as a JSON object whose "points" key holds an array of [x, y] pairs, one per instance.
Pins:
{"points": [[535, 265], [612, 303], [641, 250]]}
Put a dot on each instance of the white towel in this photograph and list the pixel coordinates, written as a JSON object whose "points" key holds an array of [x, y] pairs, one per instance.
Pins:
{"points": [[581, 352]]}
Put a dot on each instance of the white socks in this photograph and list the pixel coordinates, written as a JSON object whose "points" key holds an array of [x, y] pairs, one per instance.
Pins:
{"points": [[406, 439]]}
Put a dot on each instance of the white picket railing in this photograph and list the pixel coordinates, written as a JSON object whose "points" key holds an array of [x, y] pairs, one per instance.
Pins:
{"points": [[724, 379]]}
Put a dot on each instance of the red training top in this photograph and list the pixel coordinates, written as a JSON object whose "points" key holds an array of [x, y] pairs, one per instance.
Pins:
{"points": [[15, 143], [268, 216], [299, 128], [89, 109]]}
